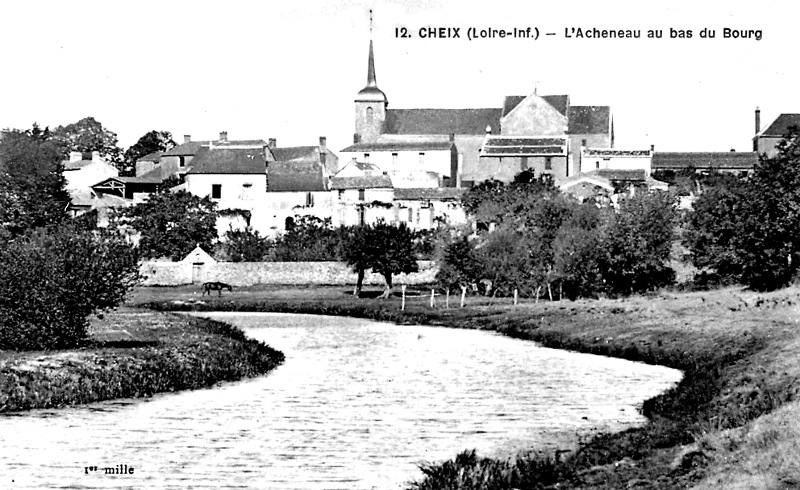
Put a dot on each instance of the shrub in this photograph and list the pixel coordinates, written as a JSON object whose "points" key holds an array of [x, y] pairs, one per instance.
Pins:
{"points": [[52, 279]]}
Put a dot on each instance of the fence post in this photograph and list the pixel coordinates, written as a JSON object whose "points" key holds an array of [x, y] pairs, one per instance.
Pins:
{"points": [[447, 299], [516, 292], [403, 302], [463, 295], [433, 301]]}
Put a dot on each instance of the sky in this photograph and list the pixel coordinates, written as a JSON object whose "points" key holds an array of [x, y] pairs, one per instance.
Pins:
{"points": [[291, 70]]}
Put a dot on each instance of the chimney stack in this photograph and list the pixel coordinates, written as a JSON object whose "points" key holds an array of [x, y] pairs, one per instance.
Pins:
{"points": [[223, 136], [272, 143], [652, 148], [187, 138], [323, 149], [323, 141], [758, 120]]}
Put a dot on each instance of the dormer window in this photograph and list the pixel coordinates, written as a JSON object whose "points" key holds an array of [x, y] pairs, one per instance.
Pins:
{"points": [[369, 115]]}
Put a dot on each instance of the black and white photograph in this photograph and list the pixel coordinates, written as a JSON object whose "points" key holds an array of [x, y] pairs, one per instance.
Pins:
{"points": [[399, 245]]}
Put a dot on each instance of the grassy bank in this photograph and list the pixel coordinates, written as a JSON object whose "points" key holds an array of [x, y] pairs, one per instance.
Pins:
{"points": [[132, 353], [738, 351]]}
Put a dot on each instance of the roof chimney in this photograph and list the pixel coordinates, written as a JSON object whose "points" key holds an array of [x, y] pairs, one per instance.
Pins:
{"points": [[223, 136], [758, 120], [187, 138], [272, 143], [652, 148], [323, 143]]}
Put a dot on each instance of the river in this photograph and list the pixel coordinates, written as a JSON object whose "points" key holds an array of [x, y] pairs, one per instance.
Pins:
{"points": [[356, 405]]}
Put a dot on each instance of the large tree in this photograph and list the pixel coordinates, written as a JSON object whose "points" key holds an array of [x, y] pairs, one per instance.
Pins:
{"points": [[172, 224], [150, 142], [386, 249], [31, 181], [89, 135]]}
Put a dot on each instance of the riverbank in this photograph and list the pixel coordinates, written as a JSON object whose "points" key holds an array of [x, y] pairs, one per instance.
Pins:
{"points": [[132, 353], [732, 419]]}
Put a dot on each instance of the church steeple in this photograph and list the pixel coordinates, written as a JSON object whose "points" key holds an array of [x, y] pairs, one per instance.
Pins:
{"points": [[371, 103], [371, 93]]}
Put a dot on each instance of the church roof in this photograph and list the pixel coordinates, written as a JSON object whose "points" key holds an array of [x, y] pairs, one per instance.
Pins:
{"points": [[401, 145], [441, 121], [780, 127], [511, 146], [589, 119]]}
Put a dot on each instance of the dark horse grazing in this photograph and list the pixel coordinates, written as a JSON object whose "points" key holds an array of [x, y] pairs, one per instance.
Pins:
{"points": [[215, 286]]}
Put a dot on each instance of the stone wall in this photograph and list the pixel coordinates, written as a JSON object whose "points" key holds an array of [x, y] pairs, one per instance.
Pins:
{"points": [[288, 273]]}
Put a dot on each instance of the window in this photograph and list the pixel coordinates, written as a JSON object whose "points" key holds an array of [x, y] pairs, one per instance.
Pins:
{"points": [[422, 158], [216, 191], [410, 215], [181, 161], [597, 164], [394, 159], [341, 194], [369, 115], [523, 163], [366, 157], [361, 194], [247, 191], [548, 163], [309, 199]]}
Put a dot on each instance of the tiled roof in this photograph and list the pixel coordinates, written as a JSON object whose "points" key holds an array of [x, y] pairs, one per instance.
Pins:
{"points": [[704, 160], [295, 177], [192, 147], [219, 160], [610, 152], [510, 102], [780, 127], [621, 175], [152, 157], [559, 102], [508, 146], [589, 119], [429, 194], [407, 145], [296, 153], [364, 182], [441, 121]]}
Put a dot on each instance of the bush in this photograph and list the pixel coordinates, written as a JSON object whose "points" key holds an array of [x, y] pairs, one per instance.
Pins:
{"points": [[52, 279]]}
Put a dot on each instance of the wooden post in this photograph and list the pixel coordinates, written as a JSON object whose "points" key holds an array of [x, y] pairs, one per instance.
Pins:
{"points": [[463, 295], [549, 292], [538, 289], [403, 302], [516, 293], [433, 300], [447, 299]]}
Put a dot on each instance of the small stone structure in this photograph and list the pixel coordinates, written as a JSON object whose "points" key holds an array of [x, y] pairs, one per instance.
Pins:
{"points": [[199, 267]]}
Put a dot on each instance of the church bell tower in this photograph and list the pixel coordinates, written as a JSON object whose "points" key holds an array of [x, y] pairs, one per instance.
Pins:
{"points": [[371, 103]]}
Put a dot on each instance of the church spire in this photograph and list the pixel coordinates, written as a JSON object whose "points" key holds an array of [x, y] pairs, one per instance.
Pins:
{"points": [[371, 81], [371, 93]]}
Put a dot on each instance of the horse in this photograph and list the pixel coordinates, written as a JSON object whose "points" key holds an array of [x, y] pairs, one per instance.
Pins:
{"points": [[216, 286]]}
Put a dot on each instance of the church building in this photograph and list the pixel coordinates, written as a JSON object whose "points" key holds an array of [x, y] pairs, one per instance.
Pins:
{"points": [[423, 148]]}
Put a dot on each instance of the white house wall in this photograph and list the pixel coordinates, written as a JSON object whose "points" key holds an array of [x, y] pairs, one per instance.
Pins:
{"points": [[410, 162]]}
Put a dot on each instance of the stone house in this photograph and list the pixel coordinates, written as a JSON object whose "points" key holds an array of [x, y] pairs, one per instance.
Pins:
{"points": [[765, 141]]}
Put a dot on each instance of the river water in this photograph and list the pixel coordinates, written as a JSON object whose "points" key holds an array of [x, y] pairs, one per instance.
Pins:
{"points": [[356, 405]]}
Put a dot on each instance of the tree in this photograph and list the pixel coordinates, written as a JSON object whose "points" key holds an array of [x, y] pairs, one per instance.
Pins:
{"points": [[150, 142], [31, 181], [384, 248], [53, 278], [460, 265], [88, 135], [637, 244], [307, 239], [245, 245], [172, 224]]}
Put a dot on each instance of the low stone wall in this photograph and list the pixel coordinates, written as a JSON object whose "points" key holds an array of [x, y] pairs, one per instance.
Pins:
{"points": [[287, 273]]}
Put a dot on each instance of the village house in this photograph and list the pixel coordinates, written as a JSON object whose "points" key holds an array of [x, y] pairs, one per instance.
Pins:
{"points": [[364, 195], [765, 141]]}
